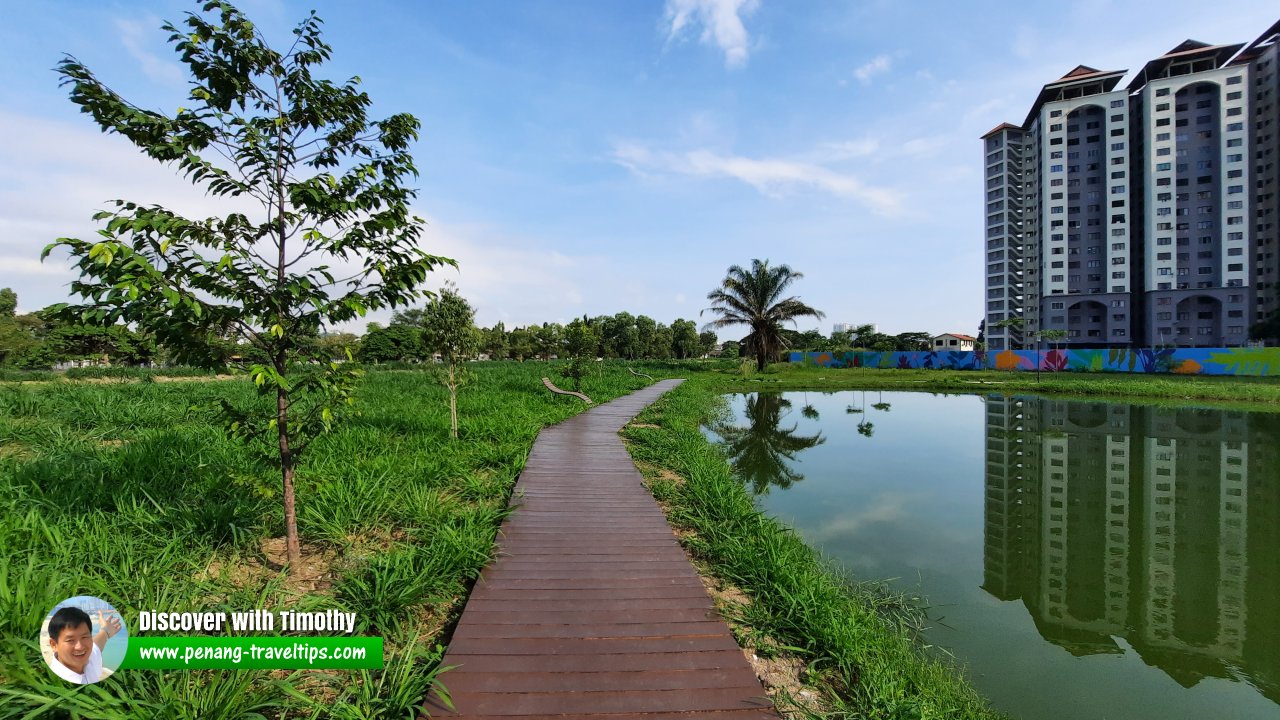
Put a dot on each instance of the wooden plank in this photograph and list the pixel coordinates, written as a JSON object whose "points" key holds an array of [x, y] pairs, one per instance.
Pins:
{"points": [[474, 682], [672, 700], [590, 663], [591, 611]]}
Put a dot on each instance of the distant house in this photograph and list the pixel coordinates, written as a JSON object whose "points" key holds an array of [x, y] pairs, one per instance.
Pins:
{"points": [[953, 341]]}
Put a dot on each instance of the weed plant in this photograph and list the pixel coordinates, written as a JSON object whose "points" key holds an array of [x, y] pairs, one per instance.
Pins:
{"points": [[133, 493], [860, 642]]}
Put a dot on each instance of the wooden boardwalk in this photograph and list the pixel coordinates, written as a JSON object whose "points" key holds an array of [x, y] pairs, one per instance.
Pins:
{"points": [[592, 609]]}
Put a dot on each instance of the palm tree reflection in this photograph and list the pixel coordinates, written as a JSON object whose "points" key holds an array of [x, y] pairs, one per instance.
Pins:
{"points": [[760, 452]]}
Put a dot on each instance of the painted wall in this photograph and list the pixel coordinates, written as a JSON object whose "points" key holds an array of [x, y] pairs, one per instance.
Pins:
{"points": [[1185, 361]]}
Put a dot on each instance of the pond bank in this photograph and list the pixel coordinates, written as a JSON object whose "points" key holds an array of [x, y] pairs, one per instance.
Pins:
{"points": [[858, 642], [1240, 392]]}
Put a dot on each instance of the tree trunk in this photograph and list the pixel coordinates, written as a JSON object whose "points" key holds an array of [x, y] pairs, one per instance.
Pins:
{"points": [[453, 404], [286, 476]]}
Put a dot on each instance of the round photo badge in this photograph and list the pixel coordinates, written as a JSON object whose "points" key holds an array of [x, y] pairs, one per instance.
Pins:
{"points": [[83, 639]]}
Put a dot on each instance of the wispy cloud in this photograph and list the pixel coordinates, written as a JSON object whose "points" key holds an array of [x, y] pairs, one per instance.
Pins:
{"points": [[770, 176], [133, 34], [848, 149], [878, 65], [721, 22]]}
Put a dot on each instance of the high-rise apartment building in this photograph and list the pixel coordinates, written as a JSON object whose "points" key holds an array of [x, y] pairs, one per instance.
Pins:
{"points": [[1139, 215]]}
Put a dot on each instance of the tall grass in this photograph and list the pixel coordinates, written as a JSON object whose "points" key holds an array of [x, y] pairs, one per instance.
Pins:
{"points": [[131, 492], [858, 641]]}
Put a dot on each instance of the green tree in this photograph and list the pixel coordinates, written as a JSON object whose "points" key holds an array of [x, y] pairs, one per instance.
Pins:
{"points": [[520, 342], [662, 342], [412, 317], [448, 328], [1014, 323], [336, 346], [580, 344], [911, 341], [707, 342], [327, 186], [395, 343], [684, 339], [547, 340], [494, 342], [755, 298], [620, 336], [646, 327], [16, 338]]}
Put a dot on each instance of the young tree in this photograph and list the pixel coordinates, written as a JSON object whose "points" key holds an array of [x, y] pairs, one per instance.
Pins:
{"points": [[448, 328], [330, 234], [580, 343]]}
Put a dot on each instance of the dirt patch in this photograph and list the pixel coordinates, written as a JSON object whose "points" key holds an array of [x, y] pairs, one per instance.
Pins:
{"points": [[314, 572], [112, 443], [195, 378], [643, 425], [781, 674]]}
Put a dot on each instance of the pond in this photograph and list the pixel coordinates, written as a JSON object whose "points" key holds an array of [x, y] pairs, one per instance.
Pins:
{"points": [[1081, 559]]}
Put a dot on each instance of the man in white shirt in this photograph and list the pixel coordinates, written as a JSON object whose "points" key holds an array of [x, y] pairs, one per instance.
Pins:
{"points": [[77, 652]]}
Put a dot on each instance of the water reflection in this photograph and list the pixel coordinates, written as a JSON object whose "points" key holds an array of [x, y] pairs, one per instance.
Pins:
{"points": [[1136, 522], [760, 451]]}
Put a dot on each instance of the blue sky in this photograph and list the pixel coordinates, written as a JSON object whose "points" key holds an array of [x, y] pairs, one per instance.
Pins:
{"points": [[599, 156]]}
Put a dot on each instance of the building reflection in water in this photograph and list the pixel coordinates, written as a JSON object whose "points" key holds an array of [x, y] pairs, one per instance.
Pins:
{"points": [[1157, 525]]}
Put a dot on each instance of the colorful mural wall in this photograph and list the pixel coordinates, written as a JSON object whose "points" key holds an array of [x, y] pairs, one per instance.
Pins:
{"points": [[1184, 361]]}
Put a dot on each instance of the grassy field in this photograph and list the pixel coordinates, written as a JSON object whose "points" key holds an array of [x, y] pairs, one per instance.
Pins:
{"points": [[125, 487], [131, 492]]}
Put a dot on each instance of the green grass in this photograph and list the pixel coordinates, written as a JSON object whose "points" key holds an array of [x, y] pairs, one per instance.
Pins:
{"points": [[858, 640], [132, 492]]}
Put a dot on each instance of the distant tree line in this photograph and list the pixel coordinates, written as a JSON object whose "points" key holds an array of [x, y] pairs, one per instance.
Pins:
{"points": [[623, 335], [40, 340], [862, 337]]}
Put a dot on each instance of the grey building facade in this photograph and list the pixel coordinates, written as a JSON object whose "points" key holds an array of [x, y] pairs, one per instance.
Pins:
{"points": [[1139, 215]]}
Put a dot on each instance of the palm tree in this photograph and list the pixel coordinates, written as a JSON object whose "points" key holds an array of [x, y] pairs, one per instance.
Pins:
{"points": [[754, 298]]}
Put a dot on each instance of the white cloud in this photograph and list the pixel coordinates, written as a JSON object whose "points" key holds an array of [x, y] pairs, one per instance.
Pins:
{"points": [[878, 65], [133, 34], [770, 176], [926, 145], [849, 149], [721, 22]]}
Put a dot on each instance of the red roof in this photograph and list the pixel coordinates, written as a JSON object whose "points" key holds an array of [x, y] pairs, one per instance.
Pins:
{"points": [[999, 128], [961, 336], [1079, 71]]}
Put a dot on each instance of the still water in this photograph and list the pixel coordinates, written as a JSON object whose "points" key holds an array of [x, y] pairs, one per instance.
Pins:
{"points": [[1084, 560]]}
